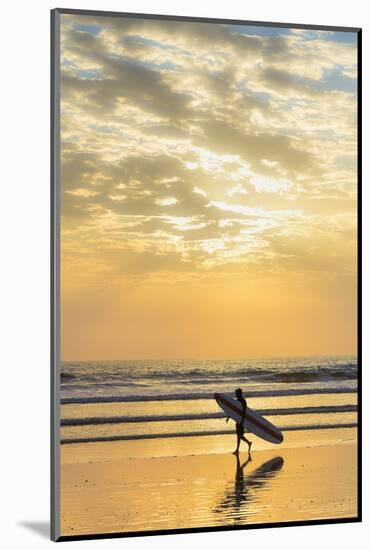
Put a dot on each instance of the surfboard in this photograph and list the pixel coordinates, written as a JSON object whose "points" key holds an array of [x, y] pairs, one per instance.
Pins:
{"points": [[253, 421]]}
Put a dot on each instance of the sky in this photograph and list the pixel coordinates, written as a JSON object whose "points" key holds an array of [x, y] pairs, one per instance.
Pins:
{"points": [[208, 190]]}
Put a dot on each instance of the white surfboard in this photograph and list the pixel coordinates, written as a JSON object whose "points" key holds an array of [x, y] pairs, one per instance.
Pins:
{"points": [[253, 421]]}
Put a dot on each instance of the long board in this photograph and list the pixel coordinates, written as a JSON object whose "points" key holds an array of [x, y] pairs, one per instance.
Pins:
{"points": [[253, 422]]}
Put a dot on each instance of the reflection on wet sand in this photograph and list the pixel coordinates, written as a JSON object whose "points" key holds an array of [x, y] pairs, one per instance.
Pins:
{"points": [[245, 488], [100, 488]]}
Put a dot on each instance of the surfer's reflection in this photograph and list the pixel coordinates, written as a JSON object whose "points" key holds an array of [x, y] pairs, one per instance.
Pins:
{"points": [[245, 487], [239, 484]]}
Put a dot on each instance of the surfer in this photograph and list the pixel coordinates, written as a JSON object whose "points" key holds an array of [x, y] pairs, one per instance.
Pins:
{"points": [[240, 431]]}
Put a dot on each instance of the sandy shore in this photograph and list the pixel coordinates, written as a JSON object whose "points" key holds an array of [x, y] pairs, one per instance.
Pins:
{"points": [[105, 490]]}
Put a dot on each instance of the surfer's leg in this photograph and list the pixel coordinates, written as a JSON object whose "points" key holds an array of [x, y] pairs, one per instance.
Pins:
{"points": [[247, 441], [238, 445]]}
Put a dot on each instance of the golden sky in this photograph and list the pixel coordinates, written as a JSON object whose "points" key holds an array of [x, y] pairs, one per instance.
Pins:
{"points": [[208, 190]]}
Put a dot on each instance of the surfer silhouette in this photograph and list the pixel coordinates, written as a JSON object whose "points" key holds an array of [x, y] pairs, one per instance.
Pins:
{"points": [[240, 431]]}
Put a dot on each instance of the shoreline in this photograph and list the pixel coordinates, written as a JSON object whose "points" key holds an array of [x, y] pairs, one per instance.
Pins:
{"points": [[197, 445]]}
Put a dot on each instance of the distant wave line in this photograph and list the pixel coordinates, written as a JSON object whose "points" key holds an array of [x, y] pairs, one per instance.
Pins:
{"points": [[192, 434], [346, 371], [198, 396], [206, 416], [76, 382]]}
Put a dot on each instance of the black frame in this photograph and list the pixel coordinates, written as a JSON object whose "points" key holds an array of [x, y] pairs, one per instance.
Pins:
{"points": [[55, 274]]}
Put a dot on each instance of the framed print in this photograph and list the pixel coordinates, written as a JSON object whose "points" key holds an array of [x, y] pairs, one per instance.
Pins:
{"points": [[205, 274]]}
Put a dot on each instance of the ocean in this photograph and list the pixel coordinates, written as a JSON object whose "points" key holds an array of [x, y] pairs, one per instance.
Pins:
{"points": [[133, 400]]}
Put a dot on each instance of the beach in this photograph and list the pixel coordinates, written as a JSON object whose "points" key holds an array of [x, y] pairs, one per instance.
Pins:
{"points": [[145, 446], [133, 486]]}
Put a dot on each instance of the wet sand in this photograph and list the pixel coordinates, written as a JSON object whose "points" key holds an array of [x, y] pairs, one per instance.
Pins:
{"points": [[134, 486]]}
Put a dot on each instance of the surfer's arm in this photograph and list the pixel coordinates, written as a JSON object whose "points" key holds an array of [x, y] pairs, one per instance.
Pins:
{"points": [[243, 413]]}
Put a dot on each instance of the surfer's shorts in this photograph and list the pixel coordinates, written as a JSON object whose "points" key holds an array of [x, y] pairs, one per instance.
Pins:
{"points": [[239, 430]]}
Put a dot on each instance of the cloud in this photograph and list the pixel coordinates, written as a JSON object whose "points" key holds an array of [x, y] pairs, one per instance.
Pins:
{"points": [[196, 147]]}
